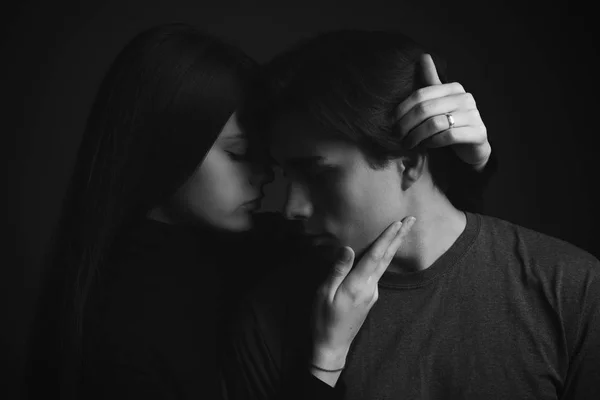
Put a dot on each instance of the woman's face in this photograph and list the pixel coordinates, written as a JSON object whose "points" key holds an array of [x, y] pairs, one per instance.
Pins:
{"points": [[225, 188]]}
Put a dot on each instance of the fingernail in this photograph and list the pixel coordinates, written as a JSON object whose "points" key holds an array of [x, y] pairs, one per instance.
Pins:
{"points": [[410, 221], [344, 254]]}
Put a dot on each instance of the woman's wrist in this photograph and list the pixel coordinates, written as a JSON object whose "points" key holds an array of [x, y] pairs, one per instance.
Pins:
{"points": [[327, 365], [480, 166], [326, 359]]}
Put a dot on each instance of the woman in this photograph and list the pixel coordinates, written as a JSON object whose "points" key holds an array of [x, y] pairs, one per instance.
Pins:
{"points": [[155, 244]]}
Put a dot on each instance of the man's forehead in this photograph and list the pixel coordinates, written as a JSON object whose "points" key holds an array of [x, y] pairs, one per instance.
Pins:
{"points": [[307, 151], [297, 143], [296, 132]]}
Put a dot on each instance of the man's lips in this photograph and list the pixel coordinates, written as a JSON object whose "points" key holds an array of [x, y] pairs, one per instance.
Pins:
{"points": [[322, 239]]}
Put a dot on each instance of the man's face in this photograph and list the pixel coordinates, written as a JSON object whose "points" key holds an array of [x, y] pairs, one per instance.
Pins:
{"points": [[332, 188]]}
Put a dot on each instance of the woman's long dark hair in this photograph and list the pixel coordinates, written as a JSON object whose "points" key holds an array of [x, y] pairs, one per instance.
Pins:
{"points": [[158, 111]]}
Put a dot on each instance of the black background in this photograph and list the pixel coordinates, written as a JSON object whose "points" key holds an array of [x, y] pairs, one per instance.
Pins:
{"points": [[531, 66]]}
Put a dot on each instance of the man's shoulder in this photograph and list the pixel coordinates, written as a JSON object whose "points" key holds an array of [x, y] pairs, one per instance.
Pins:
{"points": [[531, 246]]}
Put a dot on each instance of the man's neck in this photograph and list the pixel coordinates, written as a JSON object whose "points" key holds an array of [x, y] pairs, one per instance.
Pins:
{"points": [[438, 226]]}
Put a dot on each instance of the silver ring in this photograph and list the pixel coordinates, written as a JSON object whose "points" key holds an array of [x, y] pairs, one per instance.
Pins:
{"points": [[450, 120]]}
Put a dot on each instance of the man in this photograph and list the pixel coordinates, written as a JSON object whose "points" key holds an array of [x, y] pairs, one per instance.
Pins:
{"points": [[470, 307]]}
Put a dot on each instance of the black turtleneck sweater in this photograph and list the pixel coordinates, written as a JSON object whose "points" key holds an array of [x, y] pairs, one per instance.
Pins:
{"points": [[156, 320]]}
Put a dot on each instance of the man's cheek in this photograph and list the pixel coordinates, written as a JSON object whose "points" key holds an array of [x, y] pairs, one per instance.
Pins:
{"points": [[341, 200]]}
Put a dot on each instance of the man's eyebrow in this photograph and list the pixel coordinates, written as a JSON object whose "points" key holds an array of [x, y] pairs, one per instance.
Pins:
{"points": [[304, 162]]}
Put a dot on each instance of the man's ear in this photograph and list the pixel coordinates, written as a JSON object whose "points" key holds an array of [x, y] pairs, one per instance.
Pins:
{"points": [[411, 166]]}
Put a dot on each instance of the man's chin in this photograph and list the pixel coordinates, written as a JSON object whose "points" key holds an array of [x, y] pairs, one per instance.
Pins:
{"points": [[324, 241]]}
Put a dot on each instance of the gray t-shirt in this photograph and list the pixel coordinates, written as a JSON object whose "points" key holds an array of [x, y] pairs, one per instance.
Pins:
{"points": [[505, 313]]}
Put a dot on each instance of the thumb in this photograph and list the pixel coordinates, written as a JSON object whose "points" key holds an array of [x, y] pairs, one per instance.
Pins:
{"points": [[341, 267], [428, 70]]}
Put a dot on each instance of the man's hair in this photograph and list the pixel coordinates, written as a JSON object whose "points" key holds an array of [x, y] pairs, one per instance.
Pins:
{"points": [[351, 82]]}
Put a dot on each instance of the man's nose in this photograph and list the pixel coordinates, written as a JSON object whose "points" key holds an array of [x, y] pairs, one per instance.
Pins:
{"points": [[298, 205]]}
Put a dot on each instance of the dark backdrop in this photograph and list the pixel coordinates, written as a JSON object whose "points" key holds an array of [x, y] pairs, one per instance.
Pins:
{"points": [[531, 66]]}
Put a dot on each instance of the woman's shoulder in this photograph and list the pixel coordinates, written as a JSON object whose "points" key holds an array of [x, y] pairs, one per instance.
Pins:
{"points": [[144, 284]]}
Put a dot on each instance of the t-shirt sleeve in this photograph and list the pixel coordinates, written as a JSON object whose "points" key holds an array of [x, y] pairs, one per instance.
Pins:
{"points": [[583, 376]]}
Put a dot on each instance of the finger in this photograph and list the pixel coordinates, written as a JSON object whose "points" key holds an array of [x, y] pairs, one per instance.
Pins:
{"points": [[441, 123], [429, 108], [428, 70], [456, 136], [393, 248], [370, 260], [341, 268], [425, 94]]}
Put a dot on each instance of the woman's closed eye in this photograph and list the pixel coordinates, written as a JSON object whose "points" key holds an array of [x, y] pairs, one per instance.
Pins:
{"points": [[237, 156], [238, 151]]}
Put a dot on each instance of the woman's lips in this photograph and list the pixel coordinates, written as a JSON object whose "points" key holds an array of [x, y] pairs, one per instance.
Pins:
{"points": [[252, 205]]}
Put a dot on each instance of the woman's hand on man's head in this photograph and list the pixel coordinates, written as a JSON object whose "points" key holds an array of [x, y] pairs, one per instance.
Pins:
{"points": [[440, 115]]}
